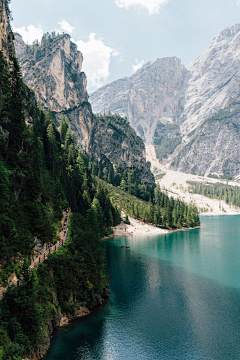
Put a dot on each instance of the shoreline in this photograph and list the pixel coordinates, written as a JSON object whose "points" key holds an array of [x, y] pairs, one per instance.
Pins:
{"points": [[62, 320], [138, 227]]}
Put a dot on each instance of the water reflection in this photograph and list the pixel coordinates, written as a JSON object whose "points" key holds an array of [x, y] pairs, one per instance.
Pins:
{"points": [[173, 297]]}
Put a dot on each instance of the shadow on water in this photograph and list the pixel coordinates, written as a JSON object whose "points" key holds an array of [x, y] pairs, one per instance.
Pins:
{"points": [[162, 306]]}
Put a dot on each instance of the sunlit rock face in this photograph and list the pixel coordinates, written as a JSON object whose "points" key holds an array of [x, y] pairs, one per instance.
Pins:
{"points": [[214, 80], [146, 97], [168, 104], [53, 69], [19, 44]]}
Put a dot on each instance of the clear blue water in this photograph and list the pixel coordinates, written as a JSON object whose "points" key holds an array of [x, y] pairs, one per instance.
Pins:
{"points": [[174, 296]]}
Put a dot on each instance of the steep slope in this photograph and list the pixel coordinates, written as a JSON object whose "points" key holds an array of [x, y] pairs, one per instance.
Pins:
{"points": [[43, 172], [145, 97], [166, 103], [214, 148], [19, 44], [214, 79], [6, 34], [52, 69], [119, 142]]}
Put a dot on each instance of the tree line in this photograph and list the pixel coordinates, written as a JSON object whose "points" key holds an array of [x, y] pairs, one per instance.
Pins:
{"points": [[230, 194], [160, 210]]}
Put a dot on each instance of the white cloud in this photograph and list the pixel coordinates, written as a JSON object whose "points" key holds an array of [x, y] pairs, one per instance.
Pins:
{"points": [[137, 64], [97, 57], [238, 3], [30, 33], [153, 6], [65, 26]]}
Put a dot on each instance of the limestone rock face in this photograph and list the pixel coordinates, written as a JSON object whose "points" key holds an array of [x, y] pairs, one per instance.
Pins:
{"points": [[6, 34], [167, 103], [19, 44], [146, 97], [214, 147], [214, 80], [53, 71]]}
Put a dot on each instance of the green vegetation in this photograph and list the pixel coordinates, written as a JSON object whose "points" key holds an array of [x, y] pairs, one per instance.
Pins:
{"points": [[167, 147], [166, 138], [42, 171], [161, 210], [120, 174], [38, 50], [230, 194], [72, 277], [128, 179]]}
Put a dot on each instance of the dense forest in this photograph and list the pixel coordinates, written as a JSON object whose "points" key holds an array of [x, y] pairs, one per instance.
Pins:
{"points": [[42, 172], [160, 210], [230, 194]]}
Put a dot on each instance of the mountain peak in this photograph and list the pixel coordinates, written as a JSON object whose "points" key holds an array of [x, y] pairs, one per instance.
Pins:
{"points": [[53, 68], [228, 32]]}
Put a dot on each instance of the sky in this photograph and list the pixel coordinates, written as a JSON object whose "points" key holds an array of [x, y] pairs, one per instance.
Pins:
{"points": [[117, 37]]}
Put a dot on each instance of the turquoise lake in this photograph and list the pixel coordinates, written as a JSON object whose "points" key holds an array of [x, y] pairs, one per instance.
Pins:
{"points": [[173, 296]]}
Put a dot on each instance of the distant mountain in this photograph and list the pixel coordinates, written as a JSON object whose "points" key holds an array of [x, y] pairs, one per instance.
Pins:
{"points": [[145, 97], [167, 104], [53, 69]]}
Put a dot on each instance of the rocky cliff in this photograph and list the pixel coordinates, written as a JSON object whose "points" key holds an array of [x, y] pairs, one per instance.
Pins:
{"points": [[167, 103], [214, 146], [6, 34], [146, 98], [52, 69], [19, 44]]}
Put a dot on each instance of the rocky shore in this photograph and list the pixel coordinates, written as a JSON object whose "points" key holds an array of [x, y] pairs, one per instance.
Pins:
{"points": [[62, 320]]}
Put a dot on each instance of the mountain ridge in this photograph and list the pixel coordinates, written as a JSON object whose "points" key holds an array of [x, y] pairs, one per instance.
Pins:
{"points": [[184, 99]]}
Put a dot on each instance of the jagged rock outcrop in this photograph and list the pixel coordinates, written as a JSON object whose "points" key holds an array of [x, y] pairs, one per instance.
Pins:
{"points": [[6, 34], [19, 44], [53, 70], [184, 99]]}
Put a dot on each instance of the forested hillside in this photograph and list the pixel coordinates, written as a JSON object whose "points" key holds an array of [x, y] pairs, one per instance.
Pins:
{"points": [[160, 210], [123, 160], [42, 172]]}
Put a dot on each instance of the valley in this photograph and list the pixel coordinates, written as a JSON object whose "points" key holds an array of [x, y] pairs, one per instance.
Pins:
{"points": [[176, 185]]}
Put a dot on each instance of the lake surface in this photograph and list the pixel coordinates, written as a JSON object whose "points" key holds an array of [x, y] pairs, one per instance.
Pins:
{"points": [[173, 296]]}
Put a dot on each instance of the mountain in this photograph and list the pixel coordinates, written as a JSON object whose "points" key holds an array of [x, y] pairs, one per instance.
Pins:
{"points": [[6, 34], [19, 44], [53, 69], [145, 97], [168, 104]]}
